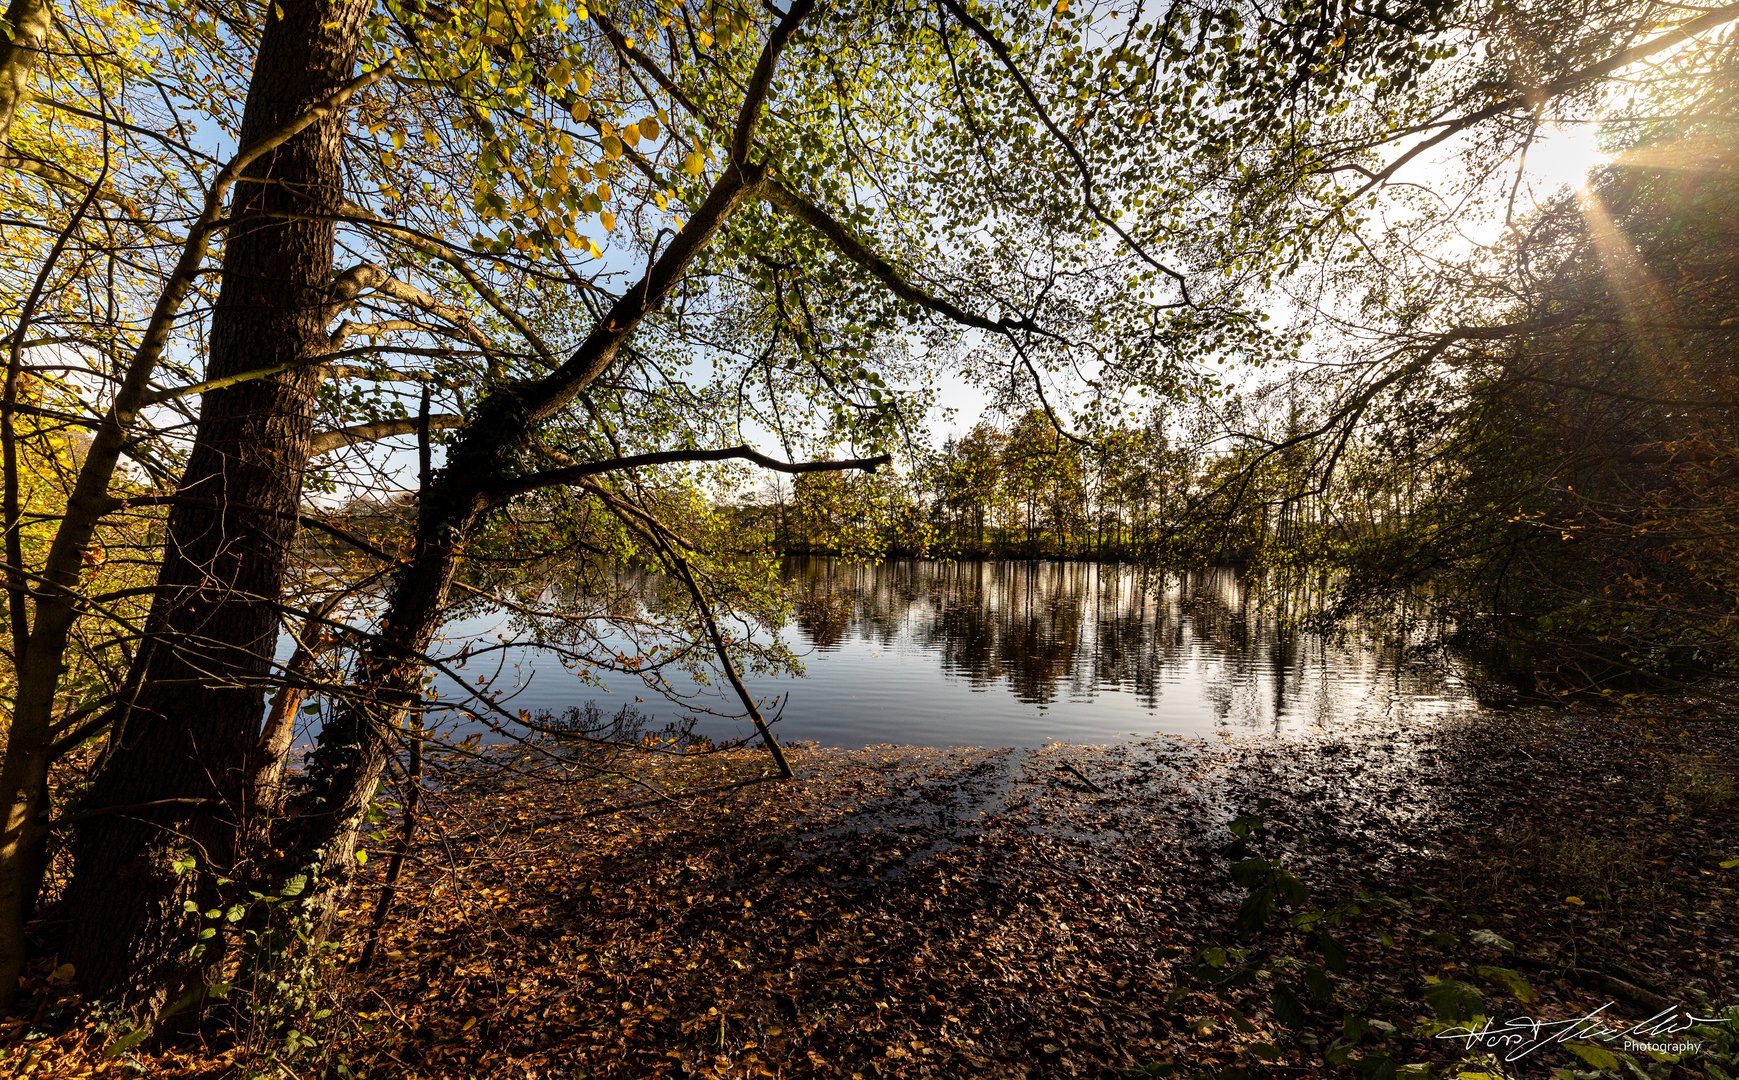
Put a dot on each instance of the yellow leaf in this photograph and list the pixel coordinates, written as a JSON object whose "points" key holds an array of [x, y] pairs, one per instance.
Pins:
{"points": [[1576, 900], [704, 38], [631, 134], [604, 192], [649, 127], [694, 164], [612, 146], [609, 221], [579, 110]]}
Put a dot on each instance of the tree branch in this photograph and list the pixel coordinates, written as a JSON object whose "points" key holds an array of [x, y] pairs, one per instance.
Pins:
{"points": [[1535, 96], [1098, 213], [327, 441], [570, 474], [859, 252]]}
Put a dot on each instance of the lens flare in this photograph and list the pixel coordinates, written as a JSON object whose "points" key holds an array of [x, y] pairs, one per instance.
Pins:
{"points": [[1563, 155]]}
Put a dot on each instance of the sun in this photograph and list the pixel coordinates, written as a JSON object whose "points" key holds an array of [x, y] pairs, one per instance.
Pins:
{"points": [[1563, 155]]}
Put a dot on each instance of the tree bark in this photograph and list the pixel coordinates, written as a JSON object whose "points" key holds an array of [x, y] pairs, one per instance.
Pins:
{"points": [[30, 21], [191, 724]]}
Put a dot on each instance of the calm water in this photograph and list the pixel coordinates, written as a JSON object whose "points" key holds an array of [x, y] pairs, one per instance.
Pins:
{"points": [[1016, 653]]}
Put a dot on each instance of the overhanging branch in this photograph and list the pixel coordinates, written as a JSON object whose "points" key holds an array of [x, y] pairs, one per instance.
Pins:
{"points": [[339, 438], [859, 252], [571, 474]]}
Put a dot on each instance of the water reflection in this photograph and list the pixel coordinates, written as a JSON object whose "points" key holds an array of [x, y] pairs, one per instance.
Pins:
{"points": [[1015, 653], [1057, 636]]}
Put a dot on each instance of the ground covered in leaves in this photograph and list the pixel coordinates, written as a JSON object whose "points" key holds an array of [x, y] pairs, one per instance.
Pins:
{"points": [[1066, 911]]}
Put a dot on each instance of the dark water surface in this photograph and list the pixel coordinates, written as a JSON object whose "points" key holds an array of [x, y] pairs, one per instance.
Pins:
{"points": [[1018, 653]]}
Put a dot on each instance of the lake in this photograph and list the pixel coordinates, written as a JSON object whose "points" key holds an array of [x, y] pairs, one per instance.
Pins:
{"points": [[1017, 653]]}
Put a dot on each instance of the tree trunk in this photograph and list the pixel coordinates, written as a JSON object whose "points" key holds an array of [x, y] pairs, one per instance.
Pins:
{"points": [[190, 728], [24, 773], [30, 21], [280, 728]]}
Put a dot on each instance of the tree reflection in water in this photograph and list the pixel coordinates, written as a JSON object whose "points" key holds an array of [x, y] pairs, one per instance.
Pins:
{"points": [[1067, 630], [1010, 653]]}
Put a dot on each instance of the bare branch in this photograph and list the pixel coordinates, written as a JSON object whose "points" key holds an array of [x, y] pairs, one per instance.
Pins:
{"points": [[327, 441], [570, 474]]}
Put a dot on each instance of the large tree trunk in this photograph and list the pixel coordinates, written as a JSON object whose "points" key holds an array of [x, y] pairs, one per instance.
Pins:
{"points": [[24, 773], [30, 21], [174, 782]]}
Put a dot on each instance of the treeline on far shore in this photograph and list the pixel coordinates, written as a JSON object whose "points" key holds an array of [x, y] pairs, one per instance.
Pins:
{"points": [[1014, 490], [1021, 490]]}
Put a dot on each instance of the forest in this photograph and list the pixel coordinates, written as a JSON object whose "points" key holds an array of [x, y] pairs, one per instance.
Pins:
{"points": [[693, 345]]}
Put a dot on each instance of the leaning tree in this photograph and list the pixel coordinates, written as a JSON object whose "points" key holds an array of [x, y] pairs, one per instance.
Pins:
{"points": [[570, 253]]}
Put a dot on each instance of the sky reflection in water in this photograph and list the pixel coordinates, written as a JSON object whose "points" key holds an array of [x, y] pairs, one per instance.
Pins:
{"points": [[1016, 653]]}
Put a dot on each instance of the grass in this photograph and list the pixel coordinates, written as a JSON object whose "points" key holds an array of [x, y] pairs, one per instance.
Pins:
{"points": [[1699, 788]]}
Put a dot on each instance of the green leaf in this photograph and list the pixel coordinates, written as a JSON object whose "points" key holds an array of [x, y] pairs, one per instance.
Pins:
{"points": [[1509, 979], [1597, 1056], [1291, 889], [1377, 1067], [1251, 872], [127, 1042], [1244, 824], [1334, 954], [1255, 912], [1287, 1008], [1453, 1000]]}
